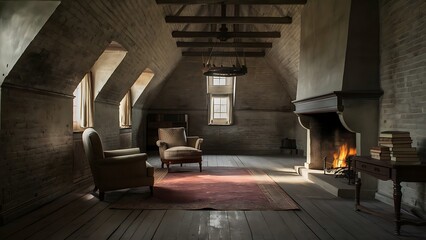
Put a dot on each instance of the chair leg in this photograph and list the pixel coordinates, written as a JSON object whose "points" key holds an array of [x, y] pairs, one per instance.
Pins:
{"points": [[168, 167], [181, 164], [151, 189], [162, 165], [201, 169], [101, 195], [95, 189]]}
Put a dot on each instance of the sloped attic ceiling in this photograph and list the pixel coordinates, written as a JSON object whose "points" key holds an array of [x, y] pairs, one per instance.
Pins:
{"points": [[269, 26], [77, 33]]}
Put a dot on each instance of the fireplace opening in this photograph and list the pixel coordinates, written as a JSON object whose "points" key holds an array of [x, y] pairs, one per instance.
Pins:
{"points": [[331, 145], [342, 163]]}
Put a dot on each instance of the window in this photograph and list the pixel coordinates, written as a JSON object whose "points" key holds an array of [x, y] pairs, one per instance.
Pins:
{"points": [[221, 98], [126, 111], [132, 95], [83, 104], [220, 107], [76, 107], [219, 81]]}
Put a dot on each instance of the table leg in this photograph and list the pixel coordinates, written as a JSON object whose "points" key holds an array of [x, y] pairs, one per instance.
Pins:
{"points": [[357, 191], [397, 205]]}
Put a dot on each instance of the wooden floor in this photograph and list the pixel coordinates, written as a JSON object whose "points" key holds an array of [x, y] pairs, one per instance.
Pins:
{"points": [[80, 215]]}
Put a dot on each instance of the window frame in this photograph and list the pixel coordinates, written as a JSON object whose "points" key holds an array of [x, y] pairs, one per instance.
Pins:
{"points": [[223, 89]]}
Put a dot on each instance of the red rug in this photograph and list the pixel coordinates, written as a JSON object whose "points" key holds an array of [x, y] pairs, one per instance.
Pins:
{"points": [[219, 188]]}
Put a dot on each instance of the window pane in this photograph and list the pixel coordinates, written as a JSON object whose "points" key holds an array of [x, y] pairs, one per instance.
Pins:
{"points": [[216, 108], [215, 81], [220, 81], [77, 103], [223, 108]]}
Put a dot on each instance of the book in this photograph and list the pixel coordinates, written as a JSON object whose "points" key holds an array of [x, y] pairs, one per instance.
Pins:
{"points": [[396, 145], [395, 140], [402, 149], [408, 155], [379, 149], [380, 156], [404, 159], [386, 158], [380, 153], [393, 134]]}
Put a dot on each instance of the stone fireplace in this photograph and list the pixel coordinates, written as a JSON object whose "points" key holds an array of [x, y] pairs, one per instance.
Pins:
{"points": [[340, 119], [338, 86]]}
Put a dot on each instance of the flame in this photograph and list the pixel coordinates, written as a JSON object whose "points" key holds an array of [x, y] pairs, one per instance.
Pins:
{"points": [[340, 156]]}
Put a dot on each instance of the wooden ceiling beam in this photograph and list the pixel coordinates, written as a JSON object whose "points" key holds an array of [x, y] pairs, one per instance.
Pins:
{"points": [[225, 44], [231, 20], [223, 54], [245, 2], [194, 34]]}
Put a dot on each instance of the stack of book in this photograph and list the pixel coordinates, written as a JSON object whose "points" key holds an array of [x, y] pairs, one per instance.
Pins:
{"points": [[380, 153], [398, 146]]}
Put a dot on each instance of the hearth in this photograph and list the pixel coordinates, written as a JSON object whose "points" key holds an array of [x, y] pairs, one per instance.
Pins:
{"points": [[343, 171]]}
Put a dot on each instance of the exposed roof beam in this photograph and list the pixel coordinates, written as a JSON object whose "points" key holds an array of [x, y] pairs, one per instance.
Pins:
{"points": [[223, 54], [245, 2], [194, 34], [234, 20], [226, 44]]}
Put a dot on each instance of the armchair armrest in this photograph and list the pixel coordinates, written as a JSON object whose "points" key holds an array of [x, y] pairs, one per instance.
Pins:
{"points": [[161, 144], [121, 171], [194, 141], [125, 159], [121, 152]]}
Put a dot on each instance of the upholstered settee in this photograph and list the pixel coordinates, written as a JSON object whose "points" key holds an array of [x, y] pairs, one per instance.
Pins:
{"points": [[177, 148], [116, 169]]}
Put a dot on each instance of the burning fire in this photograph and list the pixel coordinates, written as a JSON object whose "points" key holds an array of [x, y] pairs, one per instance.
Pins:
{"points": [[340, 156]]}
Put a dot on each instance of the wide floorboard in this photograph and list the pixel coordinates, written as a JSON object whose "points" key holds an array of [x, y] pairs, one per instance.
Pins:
{"points": [[80, 215]]}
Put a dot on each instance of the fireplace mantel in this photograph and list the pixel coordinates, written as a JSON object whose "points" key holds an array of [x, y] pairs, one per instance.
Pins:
{"points": [[332, 102]]}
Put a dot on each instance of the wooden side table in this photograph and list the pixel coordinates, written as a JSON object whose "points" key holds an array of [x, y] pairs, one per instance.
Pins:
{"points": [[387, 170]]}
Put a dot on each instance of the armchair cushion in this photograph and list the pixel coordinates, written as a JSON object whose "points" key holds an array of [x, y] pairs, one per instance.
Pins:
{"points": [[173, 136], [182, 152]]}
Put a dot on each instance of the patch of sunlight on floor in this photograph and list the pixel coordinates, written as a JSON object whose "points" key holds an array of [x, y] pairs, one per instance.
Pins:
{"points": [[289, 179], [285, 169], [88, 196]]}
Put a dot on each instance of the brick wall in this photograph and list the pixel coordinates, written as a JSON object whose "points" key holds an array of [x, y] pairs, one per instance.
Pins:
{"points": [[37, 154], [36, 135], [262, 114], [106, 123], [403, 80]]}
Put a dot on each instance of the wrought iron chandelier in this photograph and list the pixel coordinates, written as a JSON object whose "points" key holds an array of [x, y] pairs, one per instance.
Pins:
{"points": [[237, 69]]}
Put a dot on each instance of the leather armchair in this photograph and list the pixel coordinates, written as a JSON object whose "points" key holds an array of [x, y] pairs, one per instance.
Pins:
{"points": [[116, 169], [177, 148]]}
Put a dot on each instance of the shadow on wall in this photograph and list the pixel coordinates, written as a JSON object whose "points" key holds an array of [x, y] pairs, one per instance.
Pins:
{"points": [[421, 188], [422, 150]]}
